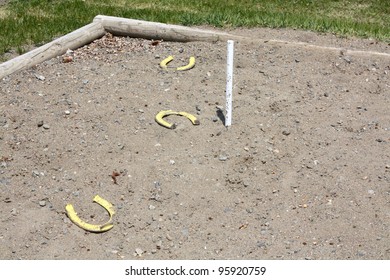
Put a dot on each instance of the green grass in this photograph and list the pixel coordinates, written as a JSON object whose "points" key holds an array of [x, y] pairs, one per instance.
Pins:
{"points": [[36, 22]]}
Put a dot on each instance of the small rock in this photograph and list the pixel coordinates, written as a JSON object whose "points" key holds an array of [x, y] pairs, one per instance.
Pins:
{"points": [[246, 182], [42, 203], [214, 119], [46, 126], [286, 132], [223, 158], [361, 253], [67, 112], [40, 123], [347, 59], [40, 77], [371, 192], [139, 251], [67, 59], [261, 244]]}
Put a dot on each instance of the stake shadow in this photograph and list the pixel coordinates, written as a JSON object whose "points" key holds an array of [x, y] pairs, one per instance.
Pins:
{"points": [[221, 115]]}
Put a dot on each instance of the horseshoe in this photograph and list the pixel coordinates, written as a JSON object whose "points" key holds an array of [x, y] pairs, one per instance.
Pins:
{"points": [[164, 64], [89, 227], [162, 114]]}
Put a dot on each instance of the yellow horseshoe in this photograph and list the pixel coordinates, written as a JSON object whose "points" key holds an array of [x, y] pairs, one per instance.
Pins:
{"points": [[89, 227], [164, 64], [160, 118]]}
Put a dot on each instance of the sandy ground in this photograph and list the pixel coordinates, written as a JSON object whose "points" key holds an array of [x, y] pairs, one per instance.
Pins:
{"points": [[302, 173]]}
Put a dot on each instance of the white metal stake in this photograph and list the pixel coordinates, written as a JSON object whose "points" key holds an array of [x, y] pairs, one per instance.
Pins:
{"points": [[229, 83]]}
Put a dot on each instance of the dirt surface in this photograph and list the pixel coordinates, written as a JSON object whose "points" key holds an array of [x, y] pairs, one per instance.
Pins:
{"points": [[302, 173]]}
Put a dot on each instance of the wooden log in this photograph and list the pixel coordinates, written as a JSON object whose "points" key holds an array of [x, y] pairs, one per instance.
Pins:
{"points": [[72, 41], [159, 31]]}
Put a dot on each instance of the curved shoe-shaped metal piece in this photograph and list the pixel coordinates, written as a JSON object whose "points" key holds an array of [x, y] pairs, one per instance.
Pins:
{"points": [[90, 227], [190, 65], [160, 118]]}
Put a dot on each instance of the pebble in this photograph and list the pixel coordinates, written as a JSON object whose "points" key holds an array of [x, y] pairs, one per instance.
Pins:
{"points": [[46, 126], [223, 158], [347, 59], [138, 251], [246, 182], [40, 123], [40, 77], [42, 203], [361, 253], [67, 112], [67, 59]]}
